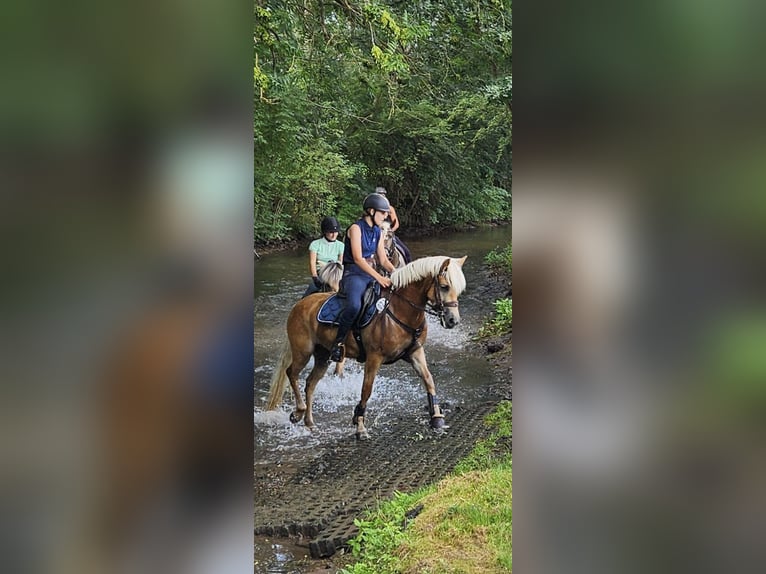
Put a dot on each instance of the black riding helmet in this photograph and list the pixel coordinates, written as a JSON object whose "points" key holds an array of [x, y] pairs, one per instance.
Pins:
{"points": [[329, 225], [376, 202]]}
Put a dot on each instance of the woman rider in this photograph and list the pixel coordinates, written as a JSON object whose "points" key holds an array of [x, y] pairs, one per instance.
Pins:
{"points": [[322, 251], [363, 241]]}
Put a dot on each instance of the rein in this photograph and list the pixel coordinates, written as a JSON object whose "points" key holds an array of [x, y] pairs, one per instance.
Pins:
{"points": [[436, 309]]}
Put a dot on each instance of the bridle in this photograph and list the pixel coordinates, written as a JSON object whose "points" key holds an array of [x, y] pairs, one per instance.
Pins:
{"points": [[436, 308]]}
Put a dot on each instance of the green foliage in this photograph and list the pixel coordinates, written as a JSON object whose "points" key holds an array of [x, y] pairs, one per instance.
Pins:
{"points": [[357, 94], [493, 451], [501, 323], [380, 532], [501, 258]]}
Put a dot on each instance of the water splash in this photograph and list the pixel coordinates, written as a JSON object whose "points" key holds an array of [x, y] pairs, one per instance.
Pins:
{"points": [[397, 392], [450, 338]]}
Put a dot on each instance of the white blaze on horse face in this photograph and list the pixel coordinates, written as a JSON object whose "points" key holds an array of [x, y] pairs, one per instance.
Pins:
{"points": [[449, 293]]}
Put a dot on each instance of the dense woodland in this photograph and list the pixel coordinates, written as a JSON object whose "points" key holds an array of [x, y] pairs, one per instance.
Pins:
{"points": [[413, 95]]}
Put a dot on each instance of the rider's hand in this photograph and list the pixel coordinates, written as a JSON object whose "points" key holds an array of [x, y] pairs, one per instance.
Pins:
{"points": [[318, 283], [385, 282]]}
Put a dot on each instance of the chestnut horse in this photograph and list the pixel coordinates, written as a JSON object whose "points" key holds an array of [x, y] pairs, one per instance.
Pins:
{"points": [[430, 284]]}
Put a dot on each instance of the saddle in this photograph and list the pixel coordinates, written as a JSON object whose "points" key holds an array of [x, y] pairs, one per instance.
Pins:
{"points": [[331, 309]]}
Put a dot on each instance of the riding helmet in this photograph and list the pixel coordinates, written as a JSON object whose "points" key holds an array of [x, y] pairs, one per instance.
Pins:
{"points": [[381, 190], [376, 202], [329, 225]]}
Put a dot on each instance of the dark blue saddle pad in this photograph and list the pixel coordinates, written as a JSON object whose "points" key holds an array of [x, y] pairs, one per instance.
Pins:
{"points": [[329, 311]]}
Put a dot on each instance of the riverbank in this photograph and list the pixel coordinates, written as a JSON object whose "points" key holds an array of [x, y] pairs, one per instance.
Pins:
{"points": [[498, 349], [272, 246]]}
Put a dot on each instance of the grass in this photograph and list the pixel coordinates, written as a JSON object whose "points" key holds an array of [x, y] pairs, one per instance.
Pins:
{"points": [[495, 450], [501, 323], [465, 525]]}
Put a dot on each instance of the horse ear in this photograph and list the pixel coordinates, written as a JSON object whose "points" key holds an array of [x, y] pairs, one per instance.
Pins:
{"points": [[462, 260], [444, 266]]}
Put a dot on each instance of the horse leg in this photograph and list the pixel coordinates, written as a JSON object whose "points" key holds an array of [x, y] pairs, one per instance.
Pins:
{"points": [[339, 368], [320, 368], [418, 359], [300, 359], [370, 370]]}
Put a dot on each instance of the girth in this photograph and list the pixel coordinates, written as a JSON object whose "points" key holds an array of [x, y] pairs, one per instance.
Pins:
{"points": [[415, 332]]}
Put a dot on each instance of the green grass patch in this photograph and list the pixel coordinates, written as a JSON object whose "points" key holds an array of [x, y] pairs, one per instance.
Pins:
{"points": [[501, 323], [465, 527], [381, 531], [495, 450], [466, 521]]}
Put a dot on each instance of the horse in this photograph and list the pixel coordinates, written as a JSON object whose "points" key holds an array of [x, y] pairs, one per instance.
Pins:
{"points": [[426, 285], [330, 274], [394, 253]]}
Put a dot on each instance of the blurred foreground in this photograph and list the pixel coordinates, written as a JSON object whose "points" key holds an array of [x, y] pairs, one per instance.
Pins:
{"points": [[640, 310], [126, 171]]}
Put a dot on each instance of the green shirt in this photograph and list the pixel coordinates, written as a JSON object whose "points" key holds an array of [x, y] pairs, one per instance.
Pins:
{"points": [[326, 251]]}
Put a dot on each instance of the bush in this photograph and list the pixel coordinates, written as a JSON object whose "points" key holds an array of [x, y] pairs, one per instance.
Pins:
{"points": [[502, 322], [501, 258]]}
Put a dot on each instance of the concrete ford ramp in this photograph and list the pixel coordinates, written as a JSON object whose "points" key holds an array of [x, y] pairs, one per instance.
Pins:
{"points": [[319, 498]]}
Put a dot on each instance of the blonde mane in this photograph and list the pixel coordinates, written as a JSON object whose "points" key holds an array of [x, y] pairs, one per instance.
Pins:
{"points": [[427, 267]]}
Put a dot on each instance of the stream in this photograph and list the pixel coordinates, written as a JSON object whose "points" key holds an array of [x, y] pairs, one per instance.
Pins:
{"points": [[461, 378]]}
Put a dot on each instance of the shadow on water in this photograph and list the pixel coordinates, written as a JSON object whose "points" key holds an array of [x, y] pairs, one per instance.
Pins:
{"points": [[461, 377]]}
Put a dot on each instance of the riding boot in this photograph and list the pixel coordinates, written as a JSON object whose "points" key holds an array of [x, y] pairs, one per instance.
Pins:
{"points": [[337, 351]]}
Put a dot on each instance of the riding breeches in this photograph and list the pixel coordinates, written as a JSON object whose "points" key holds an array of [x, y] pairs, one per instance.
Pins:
{"points": [[353, 286]]}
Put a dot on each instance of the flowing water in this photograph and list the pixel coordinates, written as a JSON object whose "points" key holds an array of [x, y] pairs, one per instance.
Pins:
{"points": [[280, 280]]}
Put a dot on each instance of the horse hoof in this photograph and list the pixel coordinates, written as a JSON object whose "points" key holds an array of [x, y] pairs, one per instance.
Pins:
{"points": [[362, 436], [437, 422], [296, 417]]}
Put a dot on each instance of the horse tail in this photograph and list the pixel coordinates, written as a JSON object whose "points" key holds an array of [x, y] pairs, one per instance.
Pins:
{"points": [[279, 378]]}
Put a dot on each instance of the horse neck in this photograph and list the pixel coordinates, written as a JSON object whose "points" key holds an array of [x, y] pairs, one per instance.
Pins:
{"points": [[414, 293]]}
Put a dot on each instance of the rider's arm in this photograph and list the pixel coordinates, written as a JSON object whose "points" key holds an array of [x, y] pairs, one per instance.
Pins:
{"points": [[394, 219], [355, 237], [313, 263]]}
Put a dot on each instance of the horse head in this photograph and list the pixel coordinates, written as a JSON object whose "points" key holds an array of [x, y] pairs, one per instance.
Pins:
{"points": [[448, 283], [385, 230], [443, 282], [392, 252]]}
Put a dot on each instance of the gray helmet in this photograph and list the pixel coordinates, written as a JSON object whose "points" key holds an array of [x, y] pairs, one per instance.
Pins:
{"points": [[376, 202], [330, 224], [381, 190]]}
